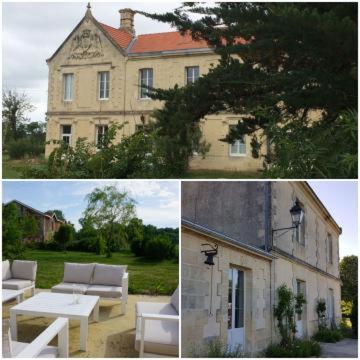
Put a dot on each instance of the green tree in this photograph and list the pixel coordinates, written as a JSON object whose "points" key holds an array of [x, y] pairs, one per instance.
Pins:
{"points": [[12, 232], [30, 227], [159, 248], [64, 236], [135, 233], [349, 287], [14, 108], [295, 58], [106, 207]]}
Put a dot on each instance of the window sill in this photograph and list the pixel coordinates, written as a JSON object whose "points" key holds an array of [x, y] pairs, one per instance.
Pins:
{"points": [[145, 99], [103, 99], [237, 155]]}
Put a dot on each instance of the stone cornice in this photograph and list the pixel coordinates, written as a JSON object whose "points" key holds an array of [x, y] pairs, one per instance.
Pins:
{"points": [[98, 113]]}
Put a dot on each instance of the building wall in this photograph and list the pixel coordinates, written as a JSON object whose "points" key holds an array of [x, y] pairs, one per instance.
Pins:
{"points": [[199, 326], [234, 208], [124, 105]]}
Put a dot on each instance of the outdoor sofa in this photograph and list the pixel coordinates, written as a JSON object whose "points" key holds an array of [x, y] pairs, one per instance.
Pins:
{"points": [[39, 348], [106, 281], [21, 275], [157, 327]]}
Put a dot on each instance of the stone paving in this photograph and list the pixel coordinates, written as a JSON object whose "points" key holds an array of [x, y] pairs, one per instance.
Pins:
{"points": [[347, 348]]}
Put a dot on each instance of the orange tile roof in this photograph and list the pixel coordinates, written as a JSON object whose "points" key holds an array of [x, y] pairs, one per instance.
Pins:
{"points": [[166, 41], [122, 38]]}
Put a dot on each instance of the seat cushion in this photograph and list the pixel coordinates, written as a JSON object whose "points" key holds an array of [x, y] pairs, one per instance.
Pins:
{"points": [[68, 288], [6, 273], [108, 274], [47, 352], [16, 284], [104, 291], [161, 337], [21, 269], [78, 273], [154, 308], [175, 299]]}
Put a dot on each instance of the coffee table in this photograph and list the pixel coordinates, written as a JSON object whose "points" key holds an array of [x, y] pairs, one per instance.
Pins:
{"points": [[8, 294], [55, 305]]}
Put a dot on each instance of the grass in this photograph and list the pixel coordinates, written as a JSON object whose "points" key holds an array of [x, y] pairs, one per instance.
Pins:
{"points": [[296, 349], [328, 335], [14, 169], [145, 277], [222, 174]]}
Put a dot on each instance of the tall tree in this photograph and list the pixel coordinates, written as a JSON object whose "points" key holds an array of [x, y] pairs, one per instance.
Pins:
{"points": [[106, 207], [281, 64], [14, 109], [64, 236]]}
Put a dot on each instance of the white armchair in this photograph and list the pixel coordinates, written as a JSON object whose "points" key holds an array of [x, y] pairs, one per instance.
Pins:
{"points": [[39, 347], [169, 323]]}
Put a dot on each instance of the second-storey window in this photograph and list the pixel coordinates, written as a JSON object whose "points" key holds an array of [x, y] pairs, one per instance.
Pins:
{"points": [[146, 81], [66, 134], [192, 74], [68, 87], [104, 85], [300, 230], [329, 249], [101, 131], [238, 147]]}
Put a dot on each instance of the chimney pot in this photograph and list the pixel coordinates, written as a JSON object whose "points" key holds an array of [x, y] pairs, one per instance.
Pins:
{"points": [[127, 20]]}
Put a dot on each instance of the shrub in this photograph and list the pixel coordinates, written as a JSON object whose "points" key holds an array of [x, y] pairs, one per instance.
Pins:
{"points": [[295, 349], [18, 149], [217, 349], [159, 248], [64, 236], [328, 335]]}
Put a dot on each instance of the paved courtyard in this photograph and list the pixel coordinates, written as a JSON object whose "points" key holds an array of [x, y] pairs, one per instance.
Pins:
{"points": [[347, 348]]}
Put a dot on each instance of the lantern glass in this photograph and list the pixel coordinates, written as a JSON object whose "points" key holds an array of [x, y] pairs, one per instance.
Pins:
{"points": [[296, 213]]}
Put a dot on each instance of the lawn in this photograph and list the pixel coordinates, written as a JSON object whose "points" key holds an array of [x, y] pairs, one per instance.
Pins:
{"points": [[145, 277], [14, 169], [222, 174]]}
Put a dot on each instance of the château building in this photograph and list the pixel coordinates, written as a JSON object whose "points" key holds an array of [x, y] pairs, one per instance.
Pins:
{"points": [[96, 78]]}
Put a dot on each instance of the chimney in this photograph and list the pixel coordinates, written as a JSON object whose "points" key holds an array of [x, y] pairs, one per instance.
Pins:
{"points": [[127, 20]]}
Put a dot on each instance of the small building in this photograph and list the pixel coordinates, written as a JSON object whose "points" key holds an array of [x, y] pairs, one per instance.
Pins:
{"points": [[48, 222], [258, 250]]}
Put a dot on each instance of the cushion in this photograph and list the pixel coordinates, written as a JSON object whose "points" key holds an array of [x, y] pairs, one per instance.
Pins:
{"points": [[161, 337], [108, 274], [21, 269], [6, 273], [104, 291], [175, 299], [78, 273], [16, 284], [67, 288], [154, 308]]}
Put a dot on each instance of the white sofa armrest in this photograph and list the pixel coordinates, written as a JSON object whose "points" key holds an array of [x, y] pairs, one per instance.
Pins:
{"points": [[125, 287], [144, 317], [59, 327]]}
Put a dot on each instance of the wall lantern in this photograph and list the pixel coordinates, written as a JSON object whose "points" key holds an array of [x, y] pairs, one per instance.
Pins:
{"points": [[297, 215], [142, 119], [210, 253]]}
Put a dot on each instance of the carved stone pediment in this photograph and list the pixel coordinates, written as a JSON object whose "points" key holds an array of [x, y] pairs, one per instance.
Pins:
{"points": [[86, 45]]}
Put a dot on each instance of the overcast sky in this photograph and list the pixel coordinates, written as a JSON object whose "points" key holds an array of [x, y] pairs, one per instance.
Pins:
{"points": [[157, 202], [33, 31]]}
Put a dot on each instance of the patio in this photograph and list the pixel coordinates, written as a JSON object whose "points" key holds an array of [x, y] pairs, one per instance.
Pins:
{"points": [[112, 336]]}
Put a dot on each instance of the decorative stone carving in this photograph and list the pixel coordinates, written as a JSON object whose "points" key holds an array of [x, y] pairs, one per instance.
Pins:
{"points": [[86, 45]]}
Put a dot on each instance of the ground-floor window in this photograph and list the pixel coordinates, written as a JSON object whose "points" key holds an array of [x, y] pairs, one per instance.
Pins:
{"points": [[66, 134], [101, 131], [238, 147]]}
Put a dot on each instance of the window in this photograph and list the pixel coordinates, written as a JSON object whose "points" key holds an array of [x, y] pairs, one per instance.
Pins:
{"points": [[101, 131], [104, 81], [192, 74], [66, 134], [238, 147], [68, 87], [146, 80], [329, 249]]}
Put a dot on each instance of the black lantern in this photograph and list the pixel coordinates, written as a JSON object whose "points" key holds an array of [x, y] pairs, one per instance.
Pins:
{"points": [[210, 253], [296, 213]]}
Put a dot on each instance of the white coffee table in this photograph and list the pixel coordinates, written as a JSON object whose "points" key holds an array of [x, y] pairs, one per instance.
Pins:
{"points": [[55, 305], [8, 294]]}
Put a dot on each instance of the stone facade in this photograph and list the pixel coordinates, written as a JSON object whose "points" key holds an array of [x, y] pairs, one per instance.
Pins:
{"points": [[124, 106], [240, 217]]}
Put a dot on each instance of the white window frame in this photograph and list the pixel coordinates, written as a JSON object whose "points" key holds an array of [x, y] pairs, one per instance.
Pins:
{"points": [[192, 77], [238, 143], [62, 134], [68, 89], [106, 90], [146, 71], [301, 229], [329, 249], [97, 128]]}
